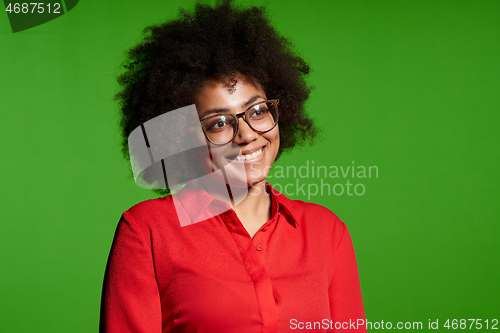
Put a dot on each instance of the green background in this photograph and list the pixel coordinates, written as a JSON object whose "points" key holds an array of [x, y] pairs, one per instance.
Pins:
{"points": [[411, 87]]}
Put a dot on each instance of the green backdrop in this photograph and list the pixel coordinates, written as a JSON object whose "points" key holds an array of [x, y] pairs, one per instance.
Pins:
{"points": [[410, 87]]}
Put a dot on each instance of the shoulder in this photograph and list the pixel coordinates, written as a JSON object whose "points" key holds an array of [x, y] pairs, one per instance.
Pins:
{"points": [[151, 212], [317, 225], [315, 210], [311, 215]]}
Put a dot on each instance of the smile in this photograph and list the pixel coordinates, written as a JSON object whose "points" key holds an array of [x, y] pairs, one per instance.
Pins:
{"points": [[250, 157]]}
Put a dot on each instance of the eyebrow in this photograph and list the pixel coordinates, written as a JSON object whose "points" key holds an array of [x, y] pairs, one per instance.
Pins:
{"points": [[223, 110]]}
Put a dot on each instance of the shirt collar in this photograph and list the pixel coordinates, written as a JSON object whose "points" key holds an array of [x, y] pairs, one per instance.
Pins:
{"points": [[285, 205], [196, 202]]}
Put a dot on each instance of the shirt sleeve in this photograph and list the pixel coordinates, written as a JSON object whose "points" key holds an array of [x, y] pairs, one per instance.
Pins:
{"points": [[346, 303], [130, 297]]}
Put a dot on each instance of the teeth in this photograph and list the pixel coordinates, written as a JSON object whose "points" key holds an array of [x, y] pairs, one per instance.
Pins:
{"points": [[249, 156]]}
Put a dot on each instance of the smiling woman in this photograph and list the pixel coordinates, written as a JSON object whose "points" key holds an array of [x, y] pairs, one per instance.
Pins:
{"points": [[226, 253]]}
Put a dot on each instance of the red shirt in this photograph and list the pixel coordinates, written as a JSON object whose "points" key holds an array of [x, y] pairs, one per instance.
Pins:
{"points": [[299, 271]]}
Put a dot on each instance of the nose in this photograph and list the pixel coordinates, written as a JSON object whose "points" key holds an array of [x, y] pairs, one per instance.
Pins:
{"points": [[245, 133]]}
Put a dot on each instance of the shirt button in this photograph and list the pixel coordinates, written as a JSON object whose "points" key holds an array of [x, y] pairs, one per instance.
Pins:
{"points": [[259, 247], [264, 229]]}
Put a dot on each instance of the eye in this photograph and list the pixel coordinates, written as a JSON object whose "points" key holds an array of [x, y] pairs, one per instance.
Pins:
{"points": [[258, 111], [219, 123]]}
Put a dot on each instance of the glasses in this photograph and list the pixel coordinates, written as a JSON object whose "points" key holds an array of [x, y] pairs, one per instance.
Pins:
{"points": [[222, 128]]}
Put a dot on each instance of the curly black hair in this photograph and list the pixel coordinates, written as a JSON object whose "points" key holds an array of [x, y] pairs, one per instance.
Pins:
{"points": [[166, 70]]}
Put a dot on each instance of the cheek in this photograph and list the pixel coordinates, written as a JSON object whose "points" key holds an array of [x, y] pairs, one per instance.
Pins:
{"points": [[274, 139]]}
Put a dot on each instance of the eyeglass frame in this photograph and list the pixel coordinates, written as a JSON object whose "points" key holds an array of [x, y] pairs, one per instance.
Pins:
{"points": [[236, 116]]}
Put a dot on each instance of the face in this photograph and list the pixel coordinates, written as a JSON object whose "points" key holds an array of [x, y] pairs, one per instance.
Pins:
{"points": [[250, 155]]}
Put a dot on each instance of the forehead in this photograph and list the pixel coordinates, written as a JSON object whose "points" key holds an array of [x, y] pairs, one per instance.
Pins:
{"points": [[228, 92]]}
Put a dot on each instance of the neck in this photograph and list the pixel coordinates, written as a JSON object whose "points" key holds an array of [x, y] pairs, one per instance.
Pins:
{"points": [[251, 204], [255, 209], [255, 200]]}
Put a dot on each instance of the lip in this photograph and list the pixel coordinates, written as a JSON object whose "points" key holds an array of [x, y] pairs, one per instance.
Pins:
{"points": [[250, 151]]}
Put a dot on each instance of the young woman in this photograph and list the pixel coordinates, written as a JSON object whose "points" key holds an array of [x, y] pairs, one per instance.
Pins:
{"points": [[226, 253]]}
